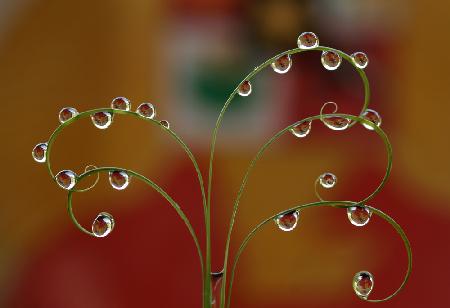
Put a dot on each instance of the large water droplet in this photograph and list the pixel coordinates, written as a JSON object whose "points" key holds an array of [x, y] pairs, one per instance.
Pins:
{"points": [[66, 179], [216, 281], [288, 221], [282, 64], [103, 224], [302, 129], [119, 179], [336, 123], [165, 123], [102, 119], [67, 113], [359, 215], [39, 152], [327, 180], [372, 116], [363, 284], [245, 88], [121, 103], [307, 40], [360, 59], [331, 60], [146, 110]]}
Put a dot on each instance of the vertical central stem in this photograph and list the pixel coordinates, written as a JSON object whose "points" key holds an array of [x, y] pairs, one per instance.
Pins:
{"points": [[207, 298]]}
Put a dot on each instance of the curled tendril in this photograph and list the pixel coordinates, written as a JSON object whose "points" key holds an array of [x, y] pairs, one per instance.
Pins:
{"points": [[336, 108], [89, 167]]}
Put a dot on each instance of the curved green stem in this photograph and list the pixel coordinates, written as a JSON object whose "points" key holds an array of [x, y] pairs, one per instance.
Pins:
{"points": [[344, 204]]}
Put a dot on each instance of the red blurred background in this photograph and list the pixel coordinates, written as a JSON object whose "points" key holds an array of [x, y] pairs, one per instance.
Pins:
{"points": [[185, 57]]}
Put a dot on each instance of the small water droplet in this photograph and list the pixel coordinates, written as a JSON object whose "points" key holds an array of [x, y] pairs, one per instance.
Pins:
{"points": [[363, 284], [103, 224], [307, 40], [336, 123], [302, 129], [102, 119], [39, 152], [372, 116], [328, 180], [121, 103], [146, 110], [216, 281], [360, 59], [245, 88], [165, 123], [67, 113], [331, 60], [282, 65], [119, 179], [359, 215], [66, 179], [288, 221]]}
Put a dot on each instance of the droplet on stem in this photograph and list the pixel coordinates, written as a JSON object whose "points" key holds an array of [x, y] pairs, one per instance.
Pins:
{"points": [[307, 40], [119, 179], [360, 59], [146, 110], [336, 123], [103, 224], [331, 60], [287, 221], [216, 281], [245, 88], [67, 113], [372, 116], [302, 129], [121, 103], [359, 215], [282, 65], [102, 119], [363, 284], [66, 179], [165, 123], [39, 152], [328, 180]]}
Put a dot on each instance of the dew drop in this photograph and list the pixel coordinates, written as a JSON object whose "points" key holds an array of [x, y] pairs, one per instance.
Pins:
{"points": [[119, 179], [288, 221], [66, 179], [372, 116], [336, 123], [307, 40], [331, 60], [363, 284], [360, 59], [359, 215], [165, 123], [146, 110], [245, 88], [328, 180], [121, 103], [39, 152], [282, 65], [67, 113], [103, 224], [216, 281], [102, 119], [302, 129]]}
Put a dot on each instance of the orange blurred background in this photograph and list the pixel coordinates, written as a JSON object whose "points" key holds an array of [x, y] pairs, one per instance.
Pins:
{"points": [[186, 56]]}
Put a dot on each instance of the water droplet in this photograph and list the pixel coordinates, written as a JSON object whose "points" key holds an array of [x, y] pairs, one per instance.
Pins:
{"points": [[102, 119], [245, 88], [103, 224], [359, 215], [119, 179], [363, 284], [360, 59], [288, 221], [302, 129], [307, 40], [331, 60], [336, 123], [216, 281], [282, 64], [327, 180], [39, 152], [67, 113], [165, 123], [66, 179], [121, 103], [372, 116], [146, 110]]}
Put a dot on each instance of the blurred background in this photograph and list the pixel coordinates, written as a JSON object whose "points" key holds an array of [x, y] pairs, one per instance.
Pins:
{"points": [[186, 56]]}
